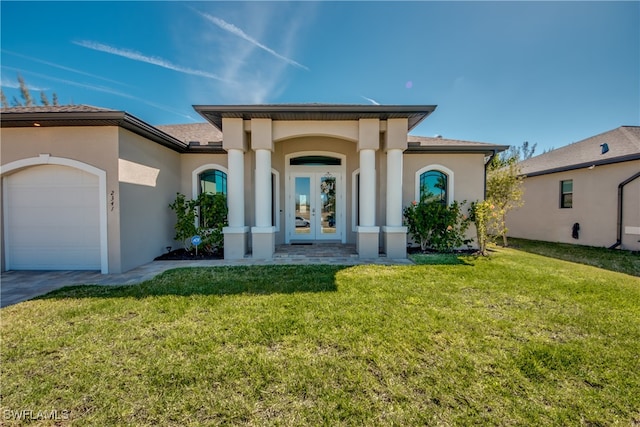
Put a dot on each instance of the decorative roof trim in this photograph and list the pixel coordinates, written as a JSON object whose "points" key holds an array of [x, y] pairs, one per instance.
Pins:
{"points": [[414, 113]]}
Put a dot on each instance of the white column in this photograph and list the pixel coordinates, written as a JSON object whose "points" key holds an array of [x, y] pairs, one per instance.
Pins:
{"points": [[367, 188], [394, 233], [262, 187], [235, 188], [263, 233], [394, 188], [368, 239]]}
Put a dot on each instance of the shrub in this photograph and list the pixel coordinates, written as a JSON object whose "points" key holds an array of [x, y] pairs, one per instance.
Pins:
{"points": [[213, 218], [211, 210], [185, 219], [480, 214], [436, 225]]}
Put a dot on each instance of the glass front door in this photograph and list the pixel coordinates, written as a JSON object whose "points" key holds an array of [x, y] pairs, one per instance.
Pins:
{"points": [[315, 206]]}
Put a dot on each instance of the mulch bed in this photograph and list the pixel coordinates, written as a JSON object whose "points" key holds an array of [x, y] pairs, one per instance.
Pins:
{"points": [[185, 255]]}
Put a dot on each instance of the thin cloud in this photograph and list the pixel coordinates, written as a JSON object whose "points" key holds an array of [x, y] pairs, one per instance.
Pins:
{"points": [[62, 67], [137, 56], [16, 85], [373, 101], [70, 82], [238, 32], [99, 89]]}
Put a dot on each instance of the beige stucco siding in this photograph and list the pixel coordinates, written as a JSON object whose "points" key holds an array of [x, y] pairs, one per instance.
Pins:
{"points": [[94, 146], [595, 201], [467, 173], [149, 180], [198, 162]]}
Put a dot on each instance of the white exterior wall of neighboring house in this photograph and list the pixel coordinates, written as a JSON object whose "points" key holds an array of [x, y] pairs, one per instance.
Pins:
{"points": [[595, 204], [149, 178]]}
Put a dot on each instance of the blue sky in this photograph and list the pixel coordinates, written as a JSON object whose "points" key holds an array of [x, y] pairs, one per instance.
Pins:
{"points": [[549, 73]]}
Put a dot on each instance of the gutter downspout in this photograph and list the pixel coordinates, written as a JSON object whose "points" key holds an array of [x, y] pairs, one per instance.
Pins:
{"points": [[486, 166], [620, 193]]}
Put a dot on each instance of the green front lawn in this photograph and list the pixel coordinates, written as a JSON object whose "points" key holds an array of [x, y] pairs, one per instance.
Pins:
{"points": [[513, 339], [610, 259]]}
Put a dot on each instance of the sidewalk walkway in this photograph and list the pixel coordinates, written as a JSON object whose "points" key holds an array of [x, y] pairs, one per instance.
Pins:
{"points": [[18, 286]]}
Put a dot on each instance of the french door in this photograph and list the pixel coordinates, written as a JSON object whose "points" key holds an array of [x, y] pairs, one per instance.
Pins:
{"points": [[315, 206]]}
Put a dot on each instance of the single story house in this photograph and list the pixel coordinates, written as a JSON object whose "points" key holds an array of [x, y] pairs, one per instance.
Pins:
{"points": [[89, 188], [585, 193]]}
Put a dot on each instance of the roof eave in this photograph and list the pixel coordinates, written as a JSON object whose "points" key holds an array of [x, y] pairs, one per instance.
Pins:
{"points": [[92, 118], [11, 119], [214, 113], [486, 150], [142, 128], [613, 160]]}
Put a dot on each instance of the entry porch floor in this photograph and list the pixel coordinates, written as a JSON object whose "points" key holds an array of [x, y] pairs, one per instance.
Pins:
{"points": [[315, 250]]}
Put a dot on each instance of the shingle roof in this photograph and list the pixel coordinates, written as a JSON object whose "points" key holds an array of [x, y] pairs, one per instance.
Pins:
{"points": [[623, 144], [206, 133], [205, 136], [194, 132], [443, 145], [55, 109]]}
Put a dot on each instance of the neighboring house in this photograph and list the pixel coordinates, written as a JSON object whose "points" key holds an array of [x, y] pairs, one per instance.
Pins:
{"points": [[89, 188], [586, 193]]}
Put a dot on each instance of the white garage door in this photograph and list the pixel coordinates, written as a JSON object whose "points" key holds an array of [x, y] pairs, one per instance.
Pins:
{"points": [[52, 219]]}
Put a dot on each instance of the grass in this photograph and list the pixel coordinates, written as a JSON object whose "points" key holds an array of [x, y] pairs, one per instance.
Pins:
{"points": [[615, 260], [513, 339]]}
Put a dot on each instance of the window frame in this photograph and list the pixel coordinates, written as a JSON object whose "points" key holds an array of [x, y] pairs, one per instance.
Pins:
{"points": [[195, 177], [275, 199], [355, 199], [566, 202], [217, 173], [438, 168]]}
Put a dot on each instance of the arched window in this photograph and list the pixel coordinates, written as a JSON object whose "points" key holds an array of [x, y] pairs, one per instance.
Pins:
{"points": [[435, 183], [433, 186], [213, 181]]}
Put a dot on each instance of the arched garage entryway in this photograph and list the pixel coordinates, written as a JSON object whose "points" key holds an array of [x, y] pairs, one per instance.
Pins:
{"points": [[54, 213]]}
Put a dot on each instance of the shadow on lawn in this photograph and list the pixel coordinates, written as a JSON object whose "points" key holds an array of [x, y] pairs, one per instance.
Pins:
{"points": [[250, 280], [438, 258]]}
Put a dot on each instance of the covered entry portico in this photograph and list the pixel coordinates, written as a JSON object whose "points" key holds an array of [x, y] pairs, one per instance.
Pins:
{"points": [[315, 197], [315, 172]]}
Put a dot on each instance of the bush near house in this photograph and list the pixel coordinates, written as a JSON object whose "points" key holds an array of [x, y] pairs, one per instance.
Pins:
{"points": [[437, 226], [211, 213]]}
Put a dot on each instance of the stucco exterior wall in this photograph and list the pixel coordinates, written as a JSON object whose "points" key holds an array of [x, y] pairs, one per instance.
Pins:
{"points": [[149, 178], [467, 175], [194, 162], [595, 201], [95, 146]]}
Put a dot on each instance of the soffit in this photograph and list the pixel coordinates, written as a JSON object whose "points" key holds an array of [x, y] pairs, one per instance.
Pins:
{"points": [[318, 112]]}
